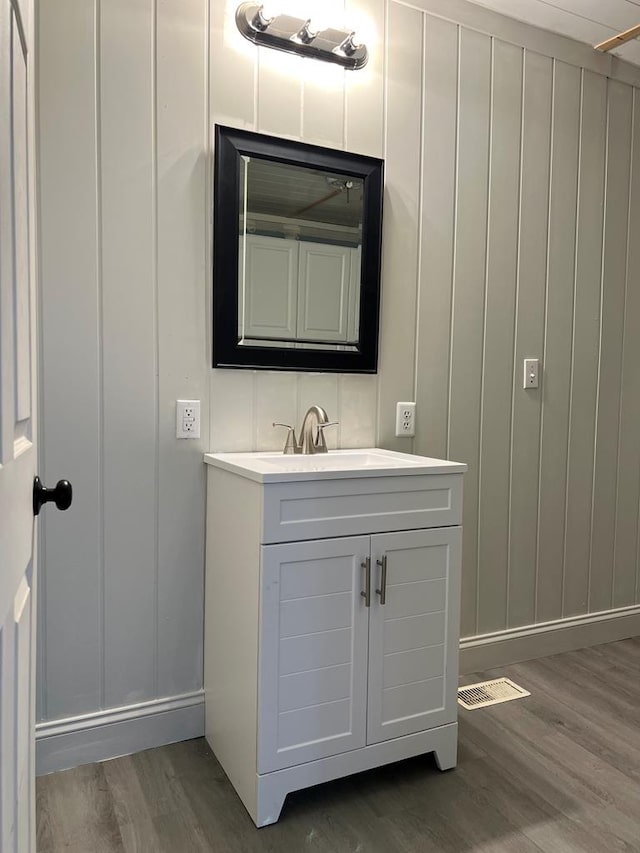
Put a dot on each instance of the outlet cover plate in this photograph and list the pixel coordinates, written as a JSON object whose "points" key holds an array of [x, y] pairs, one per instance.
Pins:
{"points": [[405, 419], [187, 418]]}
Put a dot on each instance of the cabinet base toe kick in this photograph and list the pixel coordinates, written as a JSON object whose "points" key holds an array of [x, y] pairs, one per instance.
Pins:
{"points": [[272, 788]]}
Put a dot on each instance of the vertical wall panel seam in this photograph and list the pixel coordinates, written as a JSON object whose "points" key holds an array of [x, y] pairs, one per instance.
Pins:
{"points": [[345, 107], [208, 264], [544, 333], [385, 126], [454, 241], [420, 222], [343, 144], [637, 585], [156, 334], [208, 195], [340, 396], [254, 411], [385, 101], [256, 88], [14, 29], [515, 335], [385, 79], [573, 343], [484, 320], [99, 283], [302, 86], [622, 358], [597, 406]]}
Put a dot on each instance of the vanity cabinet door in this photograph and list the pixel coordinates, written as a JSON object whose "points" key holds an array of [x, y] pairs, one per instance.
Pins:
{"points": [[313, 651], [413, 636]]}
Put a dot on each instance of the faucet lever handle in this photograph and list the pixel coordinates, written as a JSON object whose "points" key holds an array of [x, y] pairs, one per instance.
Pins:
{"points": [[321, 444], [291, 443]]}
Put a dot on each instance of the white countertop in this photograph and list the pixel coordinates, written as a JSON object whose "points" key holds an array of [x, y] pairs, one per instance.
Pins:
{"points": [[276, 467]]}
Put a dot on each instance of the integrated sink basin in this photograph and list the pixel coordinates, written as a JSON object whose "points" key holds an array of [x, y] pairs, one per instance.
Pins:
{"points": [[274, 467], [335, 461]]}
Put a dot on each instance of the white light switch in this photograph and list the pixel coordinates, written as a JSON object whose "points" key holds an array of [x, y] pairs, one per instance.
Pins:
{"points": [[187, 418], [531, 373]]}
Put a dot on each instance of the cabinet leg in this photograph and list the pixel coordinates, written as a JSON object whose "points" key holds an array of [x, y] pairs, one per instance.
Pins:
{"points": [[271, 797], [446, 753]]}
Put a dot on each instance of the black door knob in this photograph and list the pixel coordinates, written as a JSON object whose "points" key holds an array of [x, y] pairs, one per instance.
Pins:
{"points": [[62, 495]]}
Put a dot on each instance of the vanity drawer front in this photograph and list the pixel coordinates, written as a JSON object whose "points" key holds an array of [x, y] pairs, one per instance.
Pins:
{"points": [[327, 508]]}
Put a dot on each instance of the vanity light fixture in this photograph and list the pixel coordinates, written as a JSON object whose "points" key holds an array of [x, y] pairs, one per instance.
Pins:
{"points": [[298, 35]]}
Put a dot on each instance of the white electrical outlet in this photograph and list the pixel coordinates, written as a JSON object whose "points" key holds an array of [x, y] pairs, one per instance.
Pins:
{"points": [[405, 419], [187, 418]]}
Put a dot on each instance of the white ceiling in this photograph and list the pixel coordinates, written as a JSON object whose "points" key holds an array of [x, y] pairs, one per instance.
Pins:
{"points": [[590, 21]]}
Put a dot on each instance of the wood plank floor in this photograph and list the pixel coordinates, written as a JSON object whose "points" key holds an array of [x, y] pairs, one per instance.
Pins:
{"points": [[558, 771]]}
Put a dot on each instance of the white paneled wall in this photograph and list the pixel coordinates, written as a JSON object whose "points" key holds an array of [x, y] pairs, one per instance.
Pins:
{"points": [[519, 243], [325, 105], [123, 241], [512, 198], [126, 116]]}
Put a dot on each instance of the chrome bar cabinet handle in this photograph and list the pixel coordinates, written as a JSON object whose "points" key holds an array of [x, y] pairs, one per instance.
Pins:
{"points": [[366, 565], [382, 592]]}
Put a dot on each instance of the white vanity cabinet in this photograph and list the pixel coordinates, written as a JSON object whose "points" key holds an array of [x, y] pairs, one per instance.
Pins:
{"points": [[331, 624]]}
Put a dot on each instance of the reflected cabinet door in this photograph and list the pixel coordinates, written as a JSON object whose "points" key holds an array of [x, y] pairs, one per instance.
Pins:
{"points": [[268, 301], [323, 294], [313, 651]]}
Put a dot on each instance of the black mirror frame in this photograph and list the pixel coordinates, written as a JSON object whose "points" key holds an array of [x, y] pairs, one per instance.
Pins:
{"points": [[230, 145]]}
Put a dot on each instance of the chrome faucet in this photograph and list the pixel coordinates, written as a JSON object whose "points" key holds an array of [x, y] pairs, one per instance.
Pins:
{"points": [[311, 432]]}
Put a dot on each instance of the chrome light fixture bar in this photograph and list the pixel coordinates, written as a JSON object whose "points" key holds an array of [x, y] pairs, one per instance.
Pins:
{"points": [[296, 35]]}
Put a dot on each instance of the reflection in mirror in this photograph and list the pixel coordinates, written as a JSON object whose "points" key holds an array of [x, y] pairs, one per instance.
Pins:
{"points": [[297, 240], [299, 250]]}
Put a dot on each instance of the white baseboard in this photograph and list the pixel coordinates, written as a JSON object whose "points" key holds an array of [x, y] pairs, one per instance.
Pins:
{"points": [[61, 744], [548, 638]]}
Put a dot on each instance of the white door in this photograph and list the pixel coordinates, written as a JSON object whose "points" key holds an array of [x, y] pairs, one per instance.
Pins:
{"points": [[313, 651], [323, 292], [413, 630], [17, 429]]}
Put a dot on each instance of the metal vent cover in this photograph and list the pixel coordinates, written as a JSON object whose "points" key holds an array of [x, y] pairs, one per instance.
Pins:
{"points": [[489, 693]]}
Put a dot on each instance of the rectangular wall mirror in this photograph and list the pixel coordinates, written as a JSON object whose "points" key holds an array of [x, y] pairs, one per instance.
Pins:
{"points": [[296, 265]]}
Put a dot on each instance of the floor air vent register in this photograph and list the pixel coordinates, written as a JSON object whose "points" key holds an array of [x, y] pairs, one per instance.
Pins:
{"points": [[489, 693]]}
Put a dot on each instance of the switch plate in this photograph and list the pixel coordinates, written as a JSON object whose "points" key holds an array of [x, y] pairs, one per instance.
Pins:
{"points": [[406, 419], [187, 418], [531, 378]]}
